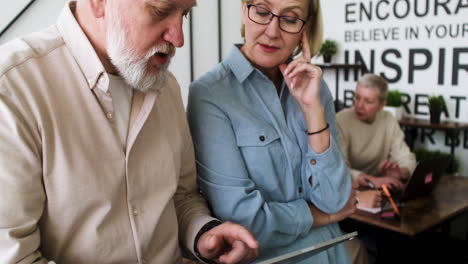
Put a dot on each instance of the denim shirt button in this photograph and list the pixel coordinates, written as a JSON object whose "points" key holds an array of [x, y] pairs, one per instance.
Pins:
{"points": [[313, 162], [262, 138]]}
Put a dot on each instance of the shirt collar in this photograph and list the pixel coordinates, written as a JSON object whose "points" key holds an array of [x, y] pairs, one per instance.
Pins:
{"points": [[238, 63], [81, 49]]}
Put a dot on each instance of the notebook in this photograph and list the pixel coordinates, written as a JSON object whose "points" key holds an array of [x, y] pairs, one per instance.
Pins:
{"points": [[312, 250]]}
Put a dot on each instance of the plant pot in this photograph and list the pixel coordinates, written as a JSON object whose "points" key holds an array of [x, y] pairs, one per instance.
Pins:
{"points": [[327, 58], [397, 112], [435, 116]]}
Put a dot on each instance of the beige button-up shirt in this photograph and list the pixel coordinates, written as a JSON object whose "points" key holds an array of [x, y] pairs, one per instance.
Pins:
{"points": [[69, 193]]}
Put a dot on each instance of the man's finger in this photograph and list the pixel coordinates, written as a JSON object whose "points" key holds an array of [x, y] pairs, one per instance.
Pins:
{"points": [[241, 233], [236, 253], [231, 232], [209, 245], [253, 254]]}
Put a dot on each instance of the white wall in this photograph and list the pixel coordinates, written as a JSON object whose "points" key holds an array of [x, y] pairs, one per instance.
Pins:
{"points": [[432, 74], [40, 14]]}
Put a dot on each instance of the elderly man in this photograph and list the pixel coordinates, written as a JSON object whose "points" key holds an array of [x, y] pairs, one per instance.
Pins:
{"points": [[96, 157]]}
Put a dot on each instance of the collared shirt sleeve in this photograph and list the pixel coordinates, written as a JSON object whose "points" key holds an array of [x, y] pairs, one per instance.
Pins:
{"points": [[328, 177], [225, 181], [191, 207], [22, 192]]}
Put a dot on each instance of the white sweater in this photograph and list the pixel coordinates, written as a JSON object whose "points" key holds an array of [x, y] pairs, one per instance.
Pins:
{"points": [[365, 145]]}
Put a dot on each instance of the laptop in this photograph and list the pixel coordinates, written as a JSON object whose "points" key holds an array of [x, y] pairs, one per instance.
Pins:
{"points": [[425, 178], [312, 250]]}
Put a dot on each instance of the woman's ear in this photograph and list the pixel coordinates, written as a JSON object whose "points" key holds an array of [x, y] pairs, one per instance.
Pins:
{"points": [[98, 8]]}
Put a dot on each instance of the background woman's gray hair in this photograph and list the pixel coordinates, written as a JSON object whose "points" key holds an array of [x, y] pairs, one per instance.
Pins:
{"points": [[370, 80]]}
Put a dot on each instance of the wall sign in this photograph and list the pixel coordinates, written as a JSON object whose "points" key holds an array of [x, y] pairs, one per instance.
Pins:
{"points": [[419, 46]]}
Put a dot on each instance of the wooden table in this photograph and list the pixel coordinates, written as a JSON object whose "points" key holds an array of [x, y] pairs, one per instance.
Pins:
{"points": [[449, 199]]}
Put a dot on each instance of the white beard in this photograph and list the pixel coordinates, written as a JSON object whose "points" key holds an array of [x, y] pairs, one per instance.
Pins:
{"points": [[132, 69]]}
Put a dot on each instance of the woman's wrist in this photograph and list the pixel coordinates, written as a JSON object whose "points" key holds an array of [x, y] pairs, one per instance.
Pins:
{"points": [[311, 133], [320, 218], [314, 118]]}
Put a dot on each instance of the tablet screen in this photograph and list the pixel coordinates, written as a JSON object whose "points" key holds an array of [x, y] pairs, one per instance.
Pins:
{"points": [[312, 250]]}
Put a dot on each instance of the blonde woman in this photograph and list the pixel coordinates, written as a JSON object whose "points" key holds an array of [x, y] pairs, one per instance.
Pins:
{"points": [[263, 125]]}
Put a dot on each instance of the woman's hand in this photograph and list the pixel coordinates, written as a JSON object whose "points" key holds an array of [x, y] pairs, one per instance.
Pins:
{"points": [[390, 181], [321, 218], [349, 208], [303, 79], [391, 169], [370, 199]]}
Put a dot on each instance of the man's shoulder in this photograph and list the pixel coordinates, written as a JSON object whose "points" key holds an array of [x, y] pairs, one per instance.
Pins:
{"points": [[35, 45]]}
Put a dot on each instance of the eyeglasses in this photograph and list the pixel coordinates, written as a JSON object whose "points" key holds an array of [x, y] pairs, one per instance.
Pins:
{"points": [[264, 16]]}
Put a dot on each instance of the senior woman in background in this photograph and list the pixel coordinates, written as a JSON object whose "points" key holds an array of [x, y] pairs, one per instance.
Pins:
{"points": [[267, 148], [373, 142]]}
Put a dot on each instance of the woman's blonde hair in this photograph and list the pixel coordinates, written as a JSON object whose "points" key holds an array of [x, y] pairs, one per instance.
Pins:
{"points": [[313, 27]]}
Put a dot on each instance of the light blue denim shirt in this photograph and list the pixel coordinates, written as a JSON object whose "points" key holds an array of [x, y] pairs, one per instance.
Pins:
{"points": [[254, 162]]}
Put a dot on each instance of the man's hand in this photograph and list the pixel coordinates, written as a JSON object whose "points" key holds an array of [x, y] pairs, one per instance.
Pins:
{"points": [[228, 243]]}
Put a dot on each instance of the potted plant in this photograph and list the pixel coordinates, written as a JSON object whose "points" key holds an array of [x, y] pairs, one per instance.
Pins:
{"points": [[436, 106], [423, 154], [328, 49], [394, 104]]}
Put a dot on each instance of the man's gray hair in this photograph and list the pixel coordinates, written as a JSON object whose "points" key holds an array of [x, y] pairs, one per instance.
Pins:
{"points": [[370, 80]]}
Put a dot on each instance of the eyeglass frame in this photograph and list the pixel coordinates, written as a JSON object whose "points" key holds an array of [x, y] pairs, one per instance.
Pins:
{"points": [[272, 16]]}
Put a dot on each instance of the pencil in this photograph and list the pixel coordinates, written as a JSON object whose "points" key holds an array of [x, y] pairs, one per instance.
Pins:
{"points": [[387, 193]]}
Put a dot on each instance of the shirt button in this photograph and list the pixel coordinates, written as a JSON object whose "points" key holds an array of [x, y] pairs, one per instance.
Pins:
{"points": [[299, 189], [262, 138], [313, 162], [135, 212], [310, 180], [110, 115]]}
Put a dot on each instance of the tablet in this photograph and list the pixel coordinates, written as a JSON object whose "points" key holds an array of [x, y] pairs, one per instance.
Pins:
{"points": [[312, 250]]}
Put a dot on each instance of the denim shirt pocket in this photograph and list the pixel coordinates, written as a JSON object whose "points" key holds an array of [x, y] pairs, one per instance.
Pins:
{"points": [[265, 159], [255, 137]]}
